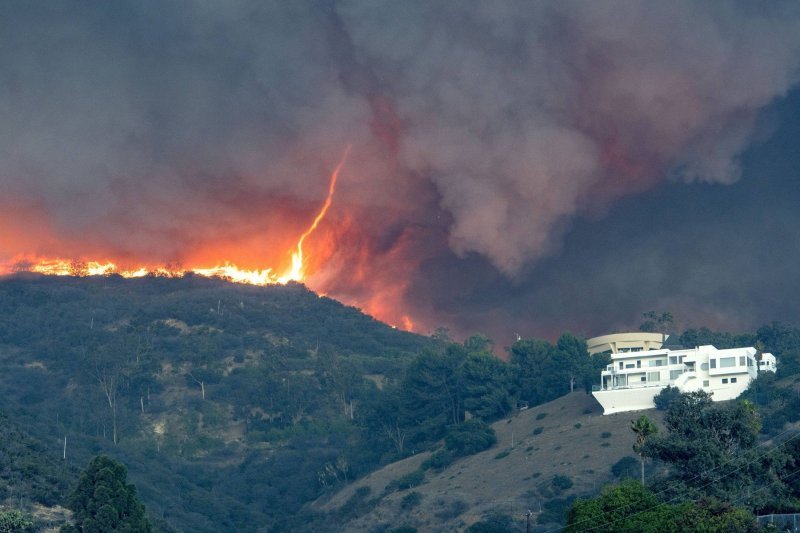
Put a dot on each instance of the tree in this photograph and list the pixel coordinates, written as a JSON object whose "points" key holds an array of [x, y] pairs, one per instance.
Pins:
{"points": [[713, 451], [13, 521], [103, 502], [657, 323], [643, 427], [631, 508]]}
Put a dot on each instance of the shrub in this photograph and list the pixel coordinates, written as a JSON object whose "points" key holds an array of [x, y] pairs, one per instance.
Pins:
{"points": [[470, 437], [412, 479], [665, 398], [627, 467], [538, 430], [578, 425], [561, 483], [410, 500], [502, 454], [451, 510], [541, 416], [440, 460], [605, 435]]}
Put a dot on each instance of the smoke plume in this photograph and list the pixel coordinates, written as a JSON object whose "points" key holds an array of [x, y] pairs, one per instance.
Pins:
{"points": [[165, 131]]}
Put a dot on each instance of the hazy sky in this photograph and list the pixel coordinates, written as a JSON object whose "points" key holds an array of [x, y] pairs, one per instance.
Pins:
{"points": [[516, 166]]}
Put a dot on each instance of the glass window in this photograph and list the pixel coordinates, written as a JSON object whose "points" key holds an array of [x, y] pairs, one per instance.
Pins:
{"points": [[727, 362], [733, 380], [713, 363], [674, 374], [742, 361], [705, 383], [673, 359], [643, 379], [724, 381], [639, 364], [621, 365], [629, 365], [654, 376], [703, 366]]}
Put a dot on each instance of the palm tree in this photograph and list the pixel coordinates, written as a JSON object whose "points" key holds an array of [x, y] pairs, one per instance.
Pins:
{"points": [[643, 427]]}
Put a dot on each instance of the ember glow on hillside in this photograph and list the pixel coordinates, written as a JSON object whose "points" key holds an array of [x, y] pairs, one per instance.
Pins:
{"points": [[297, 271]]}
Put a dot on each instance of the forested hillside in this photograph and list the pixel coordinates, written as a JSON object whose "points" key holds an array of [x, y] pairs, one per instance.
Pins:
{"points": [[234, 407], [226, 401]]}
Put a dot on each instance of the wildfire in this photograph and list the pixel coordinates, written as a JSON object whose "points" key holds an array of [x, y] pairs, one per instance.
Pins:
{"points": [[296, 272]]}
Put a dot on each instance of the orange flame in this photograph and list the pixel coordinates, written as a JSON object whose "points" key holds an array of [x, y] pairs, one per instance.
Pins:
{"points": [[297, 271], [67, 267]]}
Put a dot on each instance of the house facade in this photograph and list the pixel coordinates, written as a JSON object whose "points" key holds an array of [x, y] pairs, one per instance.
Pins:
{"points": [[634, 378]]}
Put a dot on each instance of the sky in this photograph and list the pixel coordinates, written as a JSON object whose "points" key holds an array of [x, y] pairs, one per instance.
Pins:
{"points": [[515, 167]]}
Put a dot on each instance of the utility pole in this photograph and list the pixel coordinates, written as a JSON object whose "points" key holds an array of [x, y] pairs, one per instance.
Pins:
{"points": [[528, 521]]}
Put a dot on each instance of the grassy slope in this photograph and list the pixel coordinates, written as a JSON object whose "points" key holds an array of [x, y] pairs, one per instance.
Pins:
{"points": [[511, 484]]}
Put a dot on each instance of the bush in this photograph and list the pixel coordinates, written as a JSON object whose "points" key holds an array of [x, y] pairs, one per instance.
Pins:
{"points": [[412, 479], [13, 521], [410, 500], [665, 398], [538, 430], [471, 437], [627, 467], [561, 483], [440, 460], [605, 435], [502, 454], [451, 510], [578, 425], [541, 416]]}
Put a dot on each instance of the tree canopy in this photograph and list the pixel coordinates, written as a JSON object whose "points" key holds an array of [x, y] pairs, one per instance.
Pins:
{"points": [[104, 502]]}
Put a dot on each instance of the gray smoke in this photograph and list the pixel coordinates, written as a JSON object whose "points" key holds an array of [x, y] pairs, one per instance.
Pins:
{"points": [[153, 127]]}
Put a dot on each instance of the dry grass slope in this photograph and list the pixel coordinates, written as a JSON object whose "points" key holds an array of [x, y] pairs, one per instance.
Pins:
{"points": [[566, 437]]}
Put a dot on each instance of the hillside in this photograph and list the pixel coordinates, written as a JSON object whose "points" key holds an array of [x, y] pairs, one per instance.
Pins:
{"points": [[224, 400], [566, 437]]}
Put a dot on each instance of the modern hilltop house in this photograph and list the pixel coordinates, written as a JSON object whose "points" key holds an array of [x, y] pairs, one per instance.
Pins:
{"points": [[642, 364]]}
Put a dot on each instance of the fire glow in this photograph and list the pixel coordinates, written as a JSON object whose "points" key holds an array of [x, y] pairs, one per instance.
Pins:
{"points": [[296, 272]]}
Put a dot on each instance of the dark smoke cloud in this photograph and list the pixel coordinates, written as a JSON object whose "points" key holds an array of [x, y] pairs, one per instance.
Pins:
{"points": [[483, 133]]}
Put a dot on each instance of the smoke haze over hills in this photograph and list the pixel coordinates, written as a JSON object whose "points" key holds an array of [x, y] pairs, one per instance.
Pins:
{"points": [[516, 167]]}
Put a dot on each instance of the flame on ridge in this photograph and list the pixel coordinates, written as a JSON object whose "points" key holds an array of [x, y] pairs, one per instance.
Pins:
{"points": [[67, 267]]}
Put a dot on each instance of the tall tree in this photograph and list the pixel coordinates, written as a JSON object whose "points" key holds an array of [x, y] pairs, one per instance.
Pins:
{"points": [[643, 427], [104, 502]]}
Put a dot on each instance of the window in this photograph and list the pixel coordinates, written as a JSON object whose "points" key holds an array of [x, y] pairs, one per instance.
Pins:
{"points": [[727, 362], [629, 365], [733, 380], [674, 374], [643, 379], [703, 366], [724, 381], [713, 363], [639, 364], [673, 359], [742, 360], [621, 365], [654, 376], [705, 383], [636, 349], [657, 362]]}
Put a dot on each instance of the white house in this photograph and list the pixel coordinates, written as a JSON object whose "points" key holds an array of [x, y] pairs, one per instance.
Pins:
{"points": [[634, 378]]}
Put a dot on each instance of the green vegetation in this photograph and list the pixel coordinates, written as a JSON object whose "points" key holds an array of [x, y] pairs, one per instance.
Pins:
{"points": [[103, 501], [630, 507], [471, 437], [236, 405], [13, 521], [664, 399], [410, 500]]}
